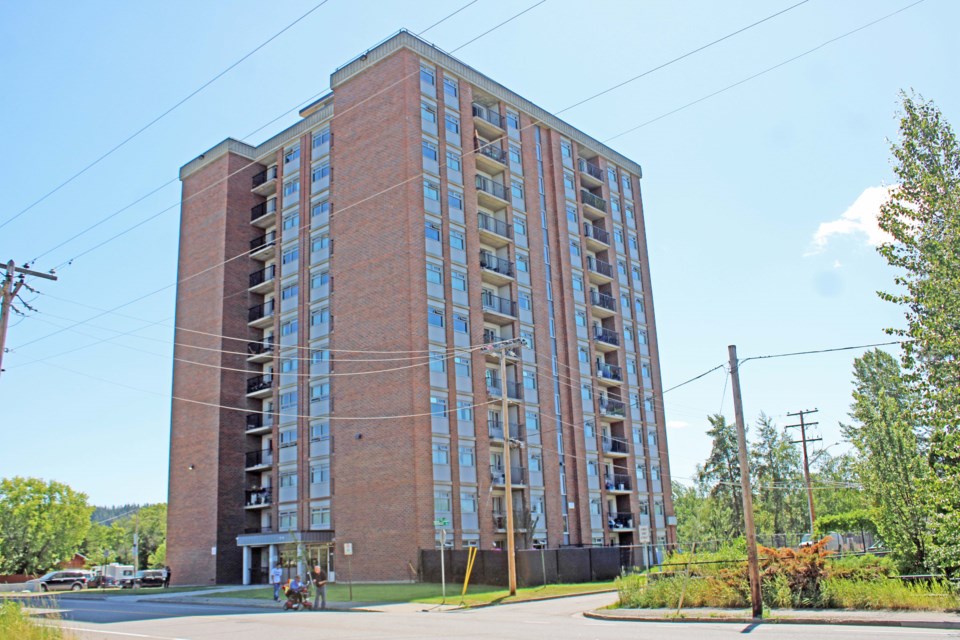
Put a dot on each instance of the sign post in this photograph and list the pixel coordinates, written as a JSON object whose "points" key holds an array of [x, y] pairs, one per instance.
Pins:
{"points": [[348, 551], [442, 522]]}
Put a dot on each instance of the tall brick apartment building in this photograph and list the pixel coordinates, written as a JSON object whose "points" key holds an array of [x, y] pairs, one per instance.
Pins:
{"points": [[335, 285]]}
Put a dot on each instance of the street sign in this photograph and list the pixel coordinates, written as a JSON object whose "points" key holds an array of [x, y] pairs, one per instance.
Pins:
{"points": [[348, 548], [644, 534], [441, 522]]}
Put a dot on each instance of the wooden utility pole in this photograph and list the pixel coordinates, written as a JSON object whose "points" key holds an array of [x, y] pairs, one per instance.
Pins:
{"points": [[753, 564], [806, 460], [8, 293]]}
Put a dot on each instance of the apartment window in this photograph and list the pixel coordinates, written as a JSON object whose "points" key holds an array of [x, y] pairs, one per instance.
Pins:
{"points": [[321, 138], [621, 267], [593, 468], [529, 380], [288, 400], [634, 245], [516, 188], [618, 236], [428, 113], [462, 366], [320, 473], [320, 316], [319, 243], [629, 213], [457, 240], [583, 355], [288, 520], [615, 207], [320, 517], [320, 392], [625, 182], [289, 293], [536, 462], [519, 226], [566, 149], [291, 255], [652, 440], [320, 279], [434, 273], [288, 438], [468, 502], [644, 505], [648, 404], [635, 270], [513, 120], [580, 317], [291, 187], [441, 501], [450, 87], [291, 221], [452, 123], [464, 410], [455, 199], [631, 366], [523, 264], [441, 453], [642, 336], [658, 507], [586, 392], [438, 406], [589, 431], [431, 190], [435, 317], [288, 328], [458, 280], [468, 456], [568, 183], [427, 76], [645, 370], [438, 361], [288, 479], [288, 365], [515, 157], [574, 249], [320, 172], [655, 472], [292, 155], [320, 431], [461, 323], [321, 208], [319, 356], [572, 214], [528, 337], [453, 161], [525, 301], [612, 178], [641, 472], [430, 151], [578, 283], [638, 303]]}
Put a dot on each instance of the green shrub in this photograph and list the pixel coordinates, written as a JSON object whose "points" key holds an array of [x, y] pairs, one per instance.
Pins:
{"points": [[889, 594], [865, 567], [15, 624]]}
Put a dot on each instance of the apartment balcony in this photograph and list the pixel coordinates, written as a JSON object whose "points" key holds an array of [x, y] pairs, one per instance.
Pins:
{"points": [[265, 182], [598, 239], [612, 408], [260, 386], [491, 194], [599, 272], [591, 175], [261, 281], [487, 121], [594, 206], [496, 309], [614, 448], [490, 157], [500, 520], [605, 339], [619, 521], [496, 233], [264, 247], [258, 352], [498, 476], [258, 423], [603, 305], [618, 483], [258, 498], [264, 214], [492, 337], [496, 430], [261, 315], [496, 270], [259, 460], [609, 374], [514, 390]]}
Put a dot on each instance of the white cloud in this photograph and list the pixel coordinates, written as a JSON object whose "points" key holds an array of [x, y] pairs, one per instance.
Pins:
{"points": [[677, 424], [859, 218]]}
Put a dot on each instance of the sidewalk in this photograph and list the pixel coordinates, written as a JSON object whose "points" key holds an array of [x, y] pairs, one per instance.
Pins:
{"points": [[885, 618]]}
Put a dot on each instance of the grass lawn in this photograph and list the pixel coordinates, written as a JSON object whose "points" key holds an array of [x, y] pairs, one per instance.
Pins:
{"points": [[430, 593]]}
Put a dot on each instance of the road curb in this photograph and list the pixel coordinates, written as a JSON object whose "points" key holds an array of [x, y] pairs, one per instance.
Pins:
{"points": [[244, 603], [825, 620]]}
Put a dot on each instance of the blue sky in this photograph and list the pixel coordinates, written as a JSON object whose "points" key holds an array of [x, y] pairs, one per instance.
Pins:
{"points": [[735, 188]]}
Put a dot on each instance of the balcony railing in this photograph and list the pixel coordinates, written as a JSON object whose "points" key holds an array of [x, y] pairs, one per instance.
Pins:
{"points": [[495, 189], [259, 277], [611, 407], [594, 201], [258, 497], [498, 475], [260, 311], [598, 299], [491, 224], [493, 263], [514, 389], [613, 445], [263, 177], [258, 348], [598, 234], [599, 266], [262, 209], [259, 383], [489, 115], [500, 519], [609, 371], [259, 458], [618, 482], [259, 421], [619, 520], [606, 335], [493, 152], [495, 303], [264, 241], [495, 428], [591, 169]]}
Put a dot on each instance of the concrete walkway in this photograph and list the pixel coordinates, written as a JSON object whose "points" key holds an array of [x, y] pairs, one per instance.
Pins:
{"points": [[884, 618]]}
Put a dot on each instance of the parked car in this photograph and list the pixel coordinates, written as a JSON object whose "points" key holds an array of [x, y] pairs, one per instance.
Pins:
{"points": [[149, 578], [59, 581]]}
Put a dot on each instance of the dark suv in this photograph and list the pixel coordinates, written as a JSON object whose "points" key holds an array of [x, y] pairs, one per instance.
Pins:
{"points": [[149, 578], [60, 581]]}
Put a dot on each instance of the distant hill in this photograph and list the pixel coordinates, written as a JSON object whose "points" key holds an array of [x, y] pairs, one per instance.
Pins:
{"points": [[104, 514]]}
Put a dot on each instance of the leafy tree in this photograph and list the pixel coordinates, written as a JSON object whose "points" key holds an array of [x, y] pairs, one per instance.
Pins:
{"points": [[721, 473], [891, 466], [923, 217], [151, 522], [838, 473], [158, 559], [41, 524], [779, 506], [106, 544]]}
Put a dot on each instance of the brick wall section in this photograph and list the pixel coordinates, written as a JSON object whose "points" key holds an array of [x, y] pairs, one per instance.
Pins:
{"points": [[382, 472], [206, 503]]}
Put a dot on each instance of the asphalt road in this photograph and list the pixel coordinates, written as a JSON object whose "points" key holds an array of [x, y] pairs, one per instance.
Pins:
{"points": [[558, 619]]}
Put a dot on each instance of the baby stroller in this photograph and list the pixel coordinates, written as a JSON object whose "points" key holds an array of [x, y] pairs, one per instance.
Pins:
{"points": [[296, 598]]}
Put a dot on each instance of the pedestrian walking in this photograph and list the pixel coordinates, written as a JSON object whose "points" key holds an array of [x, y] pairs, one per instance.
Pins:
{"points": [[166, 577], [276, 577], [319, 579]]}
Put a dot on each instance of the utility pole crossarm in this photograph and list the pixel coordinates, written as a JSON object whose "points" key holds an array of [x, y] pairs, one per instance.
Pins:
{"points": [[8, 293]]}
